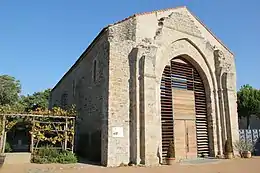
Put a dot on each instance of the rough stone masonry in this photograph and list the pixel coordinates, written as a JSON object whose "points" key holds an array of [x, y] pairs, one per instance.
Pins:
{"points": [[116, 85]]}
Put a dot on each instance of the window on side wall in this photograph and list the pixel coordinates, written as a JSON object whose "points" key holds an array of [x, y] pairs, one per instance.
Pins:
{"points": [[74, 88], [94, 70], [64, 100]]}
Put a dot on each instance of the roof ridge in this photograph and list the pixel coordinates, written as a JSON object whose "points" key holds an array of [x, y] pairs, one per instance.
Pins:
{"points": [[205, 26], [144, 13], [173, 8], [161, 10]]}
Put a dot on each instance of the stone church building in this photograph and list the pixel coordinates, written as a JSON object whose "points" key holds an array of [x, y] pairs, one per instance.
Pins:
{"points": [[149, 79]]}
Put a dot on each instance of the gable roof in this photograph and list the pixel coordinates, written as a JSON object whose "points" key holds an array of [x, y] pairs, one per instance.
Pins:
{"points": [[168, 9], [137, 14]]}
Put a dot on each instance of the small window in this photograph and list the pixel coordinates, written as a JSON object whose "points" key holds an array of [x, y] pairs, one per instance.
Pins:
{"points": [[95, 70], [64, 100], [74, 88]]}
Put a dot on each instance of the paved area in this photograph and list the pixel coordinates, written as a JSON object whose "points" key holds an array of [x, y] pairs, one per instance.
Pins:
{"points": [[201, 166], [200, 161]]}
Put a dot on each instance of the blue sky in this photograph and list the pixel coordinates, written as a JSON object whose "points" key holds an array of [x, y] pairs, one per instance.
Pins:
{"points": [[40, 40]]}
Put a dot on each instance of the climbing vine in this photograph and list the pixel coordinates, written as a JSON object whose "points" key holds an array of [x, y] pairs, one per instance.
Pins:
{"points": [[56, 131], [55, 126]]}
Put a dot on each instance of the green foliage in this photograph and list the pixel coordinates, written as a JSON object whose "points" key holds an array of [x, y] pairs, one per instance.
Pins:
{"points": [[45, 155], [242, 146], [48, 155], [37, 103], [11, 102], [26, 104], [14, 108], [42, 131], [10, 89], [228, 147], [36, 100], [67, 157], [8, 147], [248, 102], [171, 150], [45, 129]]}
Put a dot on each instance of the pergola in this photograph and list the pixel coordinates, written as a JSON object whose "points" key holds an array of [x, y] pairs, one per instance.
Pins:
{"points": [[47, 129]]}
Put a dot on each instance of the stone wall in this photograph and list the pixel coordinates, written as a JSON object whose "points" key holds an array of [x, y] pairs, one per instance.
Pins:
{"points": [[140, 47], [86, 85], [121, 102], [163, 36], [121, 41]]}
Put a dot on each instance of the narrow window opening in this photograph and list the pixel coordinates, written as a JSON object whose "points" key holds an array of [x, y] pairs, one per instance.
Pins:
{"points": [[74, 88], [95, 71], [64, 100]]}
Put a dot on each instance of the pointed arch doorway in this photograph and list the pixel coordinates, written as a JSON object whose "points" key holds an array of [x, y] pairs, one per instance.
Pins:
{"points": [[184, 110]]}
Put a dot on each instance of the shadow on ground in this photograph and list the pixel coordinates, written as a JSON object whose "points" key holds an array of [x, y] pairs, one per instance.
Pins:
{"points": [[88, 162], [257, 148]]}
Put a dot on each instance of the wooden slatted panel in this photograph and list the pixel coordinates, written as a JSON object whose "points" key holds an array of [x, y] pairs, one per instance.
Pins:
{"points": [[185, 76], [166, 110], [201, 115], [182, 75]]}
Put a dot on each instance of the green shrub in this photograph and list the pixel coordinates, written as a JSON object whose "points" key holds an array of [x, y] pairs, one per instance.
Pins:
{"points": [[66, 157], [48, 155], [242, 146], [48, 151], [171, 150], [228, 147], [45, 155], [8, 147], [40, 160]]}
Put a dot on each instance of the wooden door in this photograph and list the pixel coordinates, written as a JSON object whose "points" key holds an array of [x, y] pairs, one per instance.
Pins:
{"points": [[184, 124], [183, 110]]}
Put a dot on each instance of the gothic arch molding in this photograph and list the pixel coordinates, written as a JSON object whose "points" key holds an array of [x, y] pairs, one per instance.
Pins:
{"points": [[184, 46], [153, 67], [187, 49]]}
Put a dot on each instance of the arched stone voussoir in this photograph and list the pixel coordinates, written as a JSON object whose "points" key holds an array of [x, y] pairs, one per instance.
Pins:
{"points": [[189, 51], [185, 49]]}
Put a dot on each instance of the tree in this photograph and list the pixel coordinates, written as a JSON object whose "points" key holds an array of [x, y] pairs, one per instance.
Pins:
{"points": [[10, 89], [36, 100], [248, 102], [10, 99]]}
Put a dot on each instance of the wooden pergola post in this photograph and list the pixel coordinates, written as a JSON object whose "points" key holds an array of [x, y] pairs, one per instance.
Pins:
{"points": [[73, 136], [3, 135], [66, 135], [32, 138]]}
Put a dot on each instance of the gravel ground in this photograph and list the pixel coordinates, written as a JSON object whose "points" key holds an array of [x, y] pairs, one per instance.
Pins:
{"points": [[217, 166]]}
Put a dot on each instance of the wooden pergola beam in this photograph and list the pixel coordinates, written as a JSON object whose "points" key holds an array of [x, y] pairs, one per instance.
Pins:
{"points": [[34, 120]]}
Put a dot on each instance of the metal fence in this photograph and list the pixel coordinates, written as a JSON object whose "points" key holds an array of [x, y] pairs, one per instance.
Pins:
{"points": [[251, 136]]}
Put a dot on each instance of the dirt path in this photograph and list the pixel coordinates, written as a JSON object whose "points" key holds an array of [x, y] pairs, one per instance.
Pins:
{"points": [[225, 166]]}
